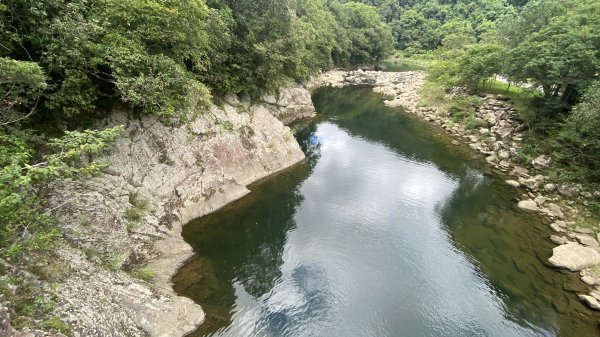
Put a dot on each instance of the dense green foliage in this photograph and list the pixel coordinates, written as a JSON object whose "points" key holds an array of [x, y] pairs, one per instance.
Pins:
{"points": [[166, 56], [420, 25], [579, 140]]}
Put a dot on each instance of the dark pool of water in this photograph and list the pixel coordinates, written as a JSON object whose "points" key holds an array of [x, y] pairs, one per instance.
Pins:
{"points": [[385, 230]]}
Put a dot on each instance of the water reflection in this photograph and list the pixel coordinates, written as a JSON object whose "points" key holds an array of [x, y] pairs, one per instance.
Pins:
{"points": [[386, 230]]}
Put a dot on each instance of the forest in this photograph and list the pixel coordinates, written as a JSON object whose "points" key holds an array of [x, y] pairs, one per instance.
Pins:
{"points": [[66, 63]]}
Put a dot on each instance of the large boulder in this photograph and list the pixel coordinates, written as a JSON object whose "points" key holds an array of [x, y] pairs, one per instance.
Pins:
{"points": [[574, 257]]}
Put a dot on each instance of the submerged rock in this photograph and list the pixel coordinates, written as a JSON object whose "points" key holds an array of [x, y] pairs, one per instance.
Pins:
{"points": [[574, 257]]}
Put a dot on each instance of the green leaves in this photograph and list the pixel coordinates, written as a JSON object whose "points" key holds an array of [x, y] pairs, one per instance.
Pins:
{"points": [[21, 84], [26, 227], [370, 39]]}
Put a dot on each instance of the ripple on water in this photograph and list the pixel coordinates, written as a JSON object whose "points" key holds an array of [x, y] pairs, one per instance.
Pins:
{"points": [[387, 230]]}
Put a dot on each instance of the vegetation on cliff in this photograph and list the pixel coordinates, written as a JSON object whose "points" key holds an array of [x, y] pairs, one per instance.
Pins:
{"points": [[63, 64]]}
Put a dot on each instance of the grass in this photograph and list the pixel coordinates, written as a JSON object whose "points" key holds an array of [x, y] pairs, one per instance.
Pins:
{"points": [[462, 110], [132, 226], [522, 98], [30, 306], [84, 220], [57, 324], [433, 94], [144, 273], [134, 214], [115, 262], [138, 202]]}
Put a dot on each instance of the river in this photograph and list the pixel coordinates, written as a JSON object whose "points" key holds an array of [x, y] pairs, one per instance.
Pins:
{"points": [[387, 229]]}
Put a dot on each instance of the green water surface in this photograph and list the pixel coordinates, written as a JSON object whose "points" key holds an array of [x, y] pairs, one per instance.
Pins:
{"points": [[385, 230]]}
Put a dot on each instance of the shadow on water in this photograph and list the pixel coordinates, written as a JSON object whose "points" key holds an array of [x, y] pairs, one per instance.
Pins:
{"points": [[248, 255], [243, 242]]}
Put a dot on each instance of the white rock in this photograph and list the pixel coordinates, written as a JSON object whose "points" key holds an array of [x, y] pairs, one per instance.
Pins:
{"points": [[559, 240], [503, 154], [590, 301], [586, 240], [574, 257], [555, 227], [540, 200], [528, 205], [513, 183], [590, 280]]}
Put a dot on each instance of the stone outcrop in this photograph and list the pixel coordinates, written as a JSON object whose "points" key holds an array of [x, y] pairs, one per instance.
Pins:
{"points": [[161, 177], [290, 105]]}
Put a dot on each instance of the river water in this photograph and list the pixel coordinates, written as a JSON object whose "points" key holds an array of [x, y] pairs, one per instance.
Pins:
{"points": [[385, 230]]}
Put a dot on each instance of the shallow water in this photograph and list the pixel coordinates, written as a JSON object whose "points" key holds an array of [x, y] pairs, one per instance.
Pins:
{"points": [[385, 230]]}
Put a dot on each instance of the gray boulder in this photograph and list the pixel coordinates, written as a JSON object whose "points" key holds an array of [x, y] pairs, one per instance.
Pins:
{"points": [[542, 162]]}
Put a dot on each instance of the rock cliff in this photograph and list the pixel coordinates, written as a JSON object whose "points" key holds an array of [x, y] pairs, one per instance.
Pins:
{"points": [[131, 216]]}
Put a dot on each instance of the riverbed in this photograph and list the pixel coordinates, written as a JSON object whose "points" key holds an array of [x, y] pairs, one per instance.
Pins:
{"points": [[387, 229]]}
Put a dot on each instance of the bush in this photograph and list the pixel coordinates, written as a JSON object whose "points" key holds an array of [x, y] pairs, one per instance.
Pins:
{"points": [[145, 274], [580, 136]]}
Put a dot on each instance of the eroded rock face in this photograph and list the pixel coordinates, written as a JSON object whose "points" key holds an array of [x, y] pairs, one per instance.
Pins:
{"points": [[161, 177], [290, 105], [574, 256]]}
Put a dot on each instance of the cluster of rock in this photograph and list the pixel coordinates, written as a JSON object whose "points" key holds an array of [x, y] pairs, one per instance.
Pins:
{"points": [[159, 178], [399, 89], [498, 139]]}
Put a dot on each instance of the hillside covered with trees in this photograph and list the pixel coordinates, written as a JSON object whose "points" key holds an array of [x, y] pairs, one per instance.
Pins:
{"points": [[66, 63]]}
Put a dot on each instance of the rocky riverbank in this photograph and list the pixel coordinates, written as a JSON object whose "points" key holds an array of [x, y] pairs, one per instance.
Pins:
{"points": [[111, 275], [499, 137]]}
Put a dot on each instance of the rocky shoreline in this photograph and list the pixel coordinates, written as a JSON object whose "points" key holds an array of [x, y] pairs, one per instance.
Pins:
{"points": [[160, 177], [499, 139], [111, 275]]}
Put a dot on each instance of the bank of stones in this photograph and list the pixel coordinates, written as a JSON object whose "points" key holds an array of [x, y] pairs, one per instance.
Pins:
{"points": [[499, 138]]}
